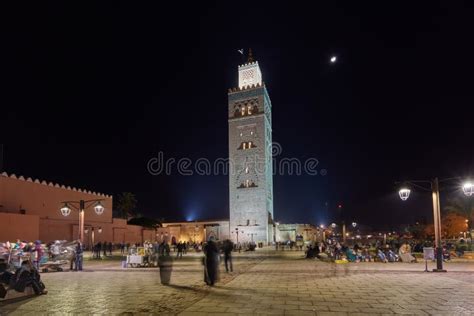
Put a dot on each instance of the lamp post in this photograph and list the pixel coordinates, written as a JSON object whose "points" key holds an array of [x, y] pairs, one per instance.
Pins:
{"points": [[81, 206], [343, 224], [251, 236], [404, 193], [86, 231], [237, 233]]}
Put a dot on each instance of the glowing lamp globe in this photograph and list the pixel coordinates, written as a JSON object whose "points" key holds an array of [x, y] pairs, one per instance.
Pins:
{"points": [[99, 209], [65, 210], [404, 194], [468, 188], [333, 225], [354, 224]]}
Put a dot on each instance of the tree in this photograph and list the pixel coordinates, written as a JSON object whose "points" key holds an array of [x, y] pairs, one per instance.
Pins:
{"points": [[453, 224], [145, 222], [126, 205]]}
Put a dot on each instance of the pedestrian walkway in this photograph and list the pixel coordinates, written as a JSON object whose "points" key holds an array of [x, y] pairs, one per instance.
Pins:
{"points": [[263, 283]]}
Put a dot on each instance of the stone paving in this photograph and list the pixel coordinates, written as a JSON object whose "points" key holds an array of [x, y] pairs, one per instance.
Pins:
{"points": [[264, 283]]}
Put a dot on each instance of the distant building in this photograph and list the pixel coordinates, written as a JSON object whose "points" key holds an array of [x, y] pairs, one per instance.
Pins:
{"points": [[30, 210], [193, 232]]}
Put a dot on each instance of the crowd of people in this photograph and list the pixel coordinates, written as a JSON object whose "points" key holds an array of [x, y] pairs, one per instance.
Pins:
{"points": [[393, 251]]}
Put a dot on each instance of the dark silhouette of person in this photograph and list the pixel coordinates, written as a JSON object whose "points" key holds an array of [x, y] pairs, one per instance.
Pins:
{"points": [[211, 262], [79, 256], [180, 250], [227, 248], [99, 249], [104, 247]]}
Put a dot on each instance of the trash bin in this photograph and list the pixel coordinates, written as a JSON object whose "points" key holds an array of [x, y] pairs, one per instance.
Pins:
{"points": [[166, 266]]}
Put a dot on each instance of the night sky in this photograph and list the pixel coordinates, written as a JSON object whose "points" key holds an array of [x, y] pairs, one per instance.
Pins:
{"points": [[93, 91]]}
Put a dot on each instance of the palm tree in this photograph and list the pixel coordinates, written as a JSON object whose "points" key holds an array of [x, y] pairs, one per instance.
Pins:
{"points": [[126, 205]]}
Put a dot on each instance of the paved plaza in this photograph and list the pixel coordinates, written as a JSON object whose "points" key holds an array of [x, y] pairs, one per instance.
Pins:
{"points": [[263, 282]]}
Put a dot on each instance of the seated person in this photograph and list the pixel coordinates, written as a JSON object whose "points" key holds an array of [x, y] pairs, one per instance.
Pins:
{"points": [[25, 276], [350, 255], [5, 275], [391, 257], [381, 256]]}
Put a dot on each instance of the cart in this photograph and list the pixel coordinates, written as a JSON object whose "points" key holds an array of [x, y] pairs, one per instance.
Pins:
{"points": [[140, 257]]}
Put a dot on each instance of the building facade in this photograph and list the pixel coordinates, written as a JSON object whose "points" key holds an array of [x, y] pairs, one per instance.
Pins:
{"points": [[250, 156], [193, 232], [30, 210]]}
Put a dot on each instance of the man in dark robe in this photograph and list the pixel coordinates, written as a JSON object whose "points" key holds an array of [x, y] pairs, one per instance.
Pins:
{"points": [[211, 262]]}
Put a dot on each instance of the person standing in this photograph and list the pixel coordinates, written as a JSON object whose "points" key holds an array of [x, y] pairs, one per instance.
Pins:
{"points": [[99, 249], [110, 248], [211, 262], [39, 254], [72, 260], [180, 250], [122, 248], [104, 248], [165, 263], [228, 246], [79, 256]]}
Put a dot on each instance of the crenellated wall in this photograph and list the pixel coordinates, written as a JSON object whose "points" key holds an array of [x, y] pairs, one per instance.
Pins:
{"points": [[30, 210]]}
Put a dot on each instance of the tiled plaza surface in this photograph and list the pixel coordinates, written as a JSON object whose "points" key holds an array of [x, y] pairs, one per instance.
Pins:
{"points": [[263, 283]]}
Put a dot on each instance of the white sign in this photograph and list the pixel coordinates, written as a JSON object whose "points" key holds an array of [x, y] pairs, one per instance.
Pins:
{"points": [[428, 253]]}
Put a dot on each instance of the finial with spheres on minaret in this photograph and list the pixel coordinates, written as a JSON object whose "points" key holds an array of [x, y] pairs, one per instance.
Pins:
{"points": [[250, 56]]}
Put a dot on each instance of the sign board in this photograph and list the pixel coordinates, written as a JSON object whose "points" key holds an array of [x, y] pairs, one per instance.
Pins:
{"points": [[134, 259], [428, 253]]}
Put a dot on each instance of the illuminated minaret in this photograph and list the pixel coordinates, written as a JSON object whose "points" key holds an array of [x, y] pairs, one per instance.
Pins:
{"points": [[250, 141]]}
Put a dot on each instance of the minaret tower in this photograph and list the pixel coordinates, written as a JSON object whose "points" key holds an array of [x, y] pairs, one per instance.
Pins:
{"points": [[250, 155]]}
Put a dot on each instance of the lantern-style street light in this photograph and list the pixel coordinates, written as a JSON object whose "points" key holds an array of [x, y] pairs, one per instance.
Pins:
{"points": [[468, 188], [404, 194], [81, 206]]}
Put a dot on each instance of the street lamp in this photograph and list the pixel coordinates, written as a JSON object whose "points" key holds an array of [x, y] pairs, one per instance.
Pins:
{"points": [[237, 233], [404, 194], [81, 206], [354, 224], [468, 188], [99, 209]]}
